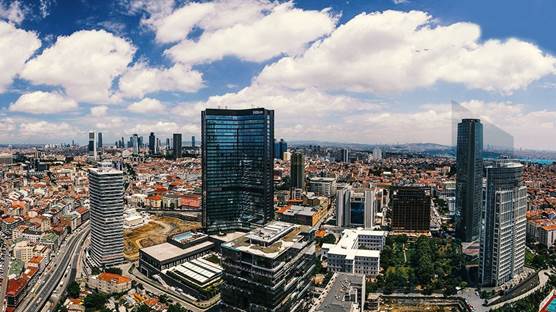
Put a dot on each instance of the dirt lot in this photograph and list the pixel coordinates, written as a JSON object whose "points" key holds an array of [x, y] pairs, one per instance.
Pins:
{"points": [[153, 233]]}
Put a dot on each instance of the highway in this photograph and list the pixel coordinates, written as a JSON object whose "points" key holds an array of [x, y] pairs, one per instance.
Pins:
{"points": [[5, 275], [48, 282]]}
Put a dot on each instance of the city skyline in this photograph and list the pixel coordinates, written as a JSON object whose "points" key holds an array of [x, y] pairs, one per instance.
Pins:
{"points": [[167, 62]]}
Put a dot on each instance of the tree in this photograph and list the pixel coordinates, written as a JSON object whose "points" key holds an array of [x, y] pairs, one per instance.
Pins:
{"points": [[163, 298], [176, 308], [95, 271], [143, 308], [73, 290], [95, 300]]}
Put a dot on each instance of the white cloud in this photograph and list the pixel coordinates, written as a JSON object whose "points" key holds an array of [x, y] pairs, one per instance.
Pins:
{"points": [[242, 29], [17, 46], [44, 130], [397, 51], [165, 128], [13, 12], [99, 111], [141, 79], [147, 105], [84, 63], [40, 102]]}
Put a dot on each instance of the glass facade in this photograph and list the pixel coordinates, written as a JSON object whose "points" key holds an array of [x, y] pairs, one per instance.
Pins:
{"points": [[469, 179], [237, 161]]}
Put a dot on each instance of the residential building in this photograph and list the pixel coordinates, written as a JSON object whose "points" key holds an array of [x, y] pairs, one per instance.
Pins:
{"points": [[106, 214], [237, 168], [269, 269], [469, 179], [502, 244], [109, 283]]}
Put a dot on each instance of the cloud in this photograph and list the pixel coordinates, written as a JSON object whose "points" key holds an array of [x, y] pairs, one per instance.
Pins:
{"points": [[42, 130], [99, 111], [17, 46], [396, 51], [141, 79], [241, 29], [84, 64], [40, 102], [165, 128], [14, 12], [147, 105]]}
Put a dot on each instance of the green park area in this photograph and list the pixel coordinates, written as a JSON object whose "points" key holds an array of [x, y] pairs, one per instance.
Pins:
{"points": [[424, 264]]}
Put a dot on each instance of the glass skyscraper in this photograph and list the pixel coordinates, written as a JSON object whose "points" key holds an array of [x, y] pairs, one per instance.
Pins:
{"points": [[237, 161], [469, 179], [297, 170]]}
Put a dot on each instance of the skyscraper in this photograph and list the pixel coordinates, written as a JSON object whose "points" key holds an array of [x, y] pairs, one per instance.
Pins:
{"points": [[280, 148], [469, 179], [135, 144], [177, 145], [297, 170], [344, 155], [502, 243], [92, 147], [106, 194], [152, 143], [193, 141], [237, 162], [411, 208], [99, 142], [355, 207]]}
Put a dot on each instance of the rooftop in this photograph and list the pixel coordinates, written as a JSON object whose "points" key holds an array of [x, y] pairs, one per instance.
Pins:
{"points": [[167, 251], [337, 299], [112, 278]]}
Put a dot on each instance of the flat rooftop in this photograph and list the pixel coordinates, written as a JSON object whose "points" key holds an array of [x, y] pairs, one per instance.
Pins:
{"points": [[334, 299], [167, 251]]}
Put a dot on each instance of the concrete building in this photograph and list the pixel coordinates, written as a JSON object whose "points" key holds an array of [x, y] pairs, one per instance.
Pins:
{"points": [[357, 252], [109, 283], [344, 293], [269, 269], [322, 186], [106, 191], [355, 207], [502, 244]]}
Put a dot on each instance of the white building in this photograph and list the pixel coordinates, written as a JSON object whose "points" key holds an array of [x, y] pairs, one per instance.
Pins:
{"points": [[377, 153], [322, 186], [502, 245], [106, 195], [355, 207], [349, 256]]}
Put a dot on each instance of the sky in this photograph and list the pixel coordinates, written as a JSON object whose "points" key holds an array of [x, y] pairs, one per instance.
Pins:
{"points": [[368, 71]]}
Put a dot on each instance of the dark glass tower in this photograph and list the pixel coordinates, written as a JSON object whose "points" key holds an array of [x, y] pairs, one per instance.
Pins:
{"points": [[297, 170], [99, 141], [177, 145], [152, 143], [237, 161], [411, 208], [469, 179]]}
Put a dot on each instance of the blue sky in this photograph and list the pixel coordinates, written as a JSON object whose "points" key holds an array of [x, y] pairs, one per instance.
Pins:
{"points": [[374, 71]]}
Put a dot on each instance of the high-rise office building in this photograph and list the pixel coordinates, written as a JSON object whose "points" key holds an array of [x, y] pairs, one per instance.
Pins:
{"points": [[192, 141], [92, 147], [269, 269], [237, 168], [355, 207], [377, 153], [177, 145], [502, 239], [152, 144], [106, 194], [469, 179], [135, 144], [297, 170], [99, 141], [344, 155], [280, 148], [411, 208]]}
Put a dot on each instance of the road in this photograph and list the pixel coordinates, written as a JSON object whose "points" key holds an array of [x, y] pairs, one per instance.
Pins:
{"points": [[49, 280], [5, 275]]}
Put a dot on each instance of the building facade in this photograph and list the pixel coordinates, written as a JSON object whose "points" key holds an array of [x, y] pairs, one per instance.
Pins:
{"points": [[152, 144], [322, 186], [176, 139], [469, 179], [297, 170], [502, 243], [106, 191], [269, 269], [237, 163], [92, 147], [411, 208], [355, 207]]}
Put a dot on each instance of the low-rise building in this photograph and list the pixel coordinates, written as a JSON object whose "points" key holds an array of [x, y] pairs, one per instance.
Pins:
{"points": [[109, 283], [344, 293]]}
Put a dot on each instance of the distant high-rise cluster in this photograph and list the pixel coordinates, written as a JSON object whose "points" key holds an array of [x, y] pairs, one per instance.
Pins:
{"points": [[280, 148], [237, 168]]}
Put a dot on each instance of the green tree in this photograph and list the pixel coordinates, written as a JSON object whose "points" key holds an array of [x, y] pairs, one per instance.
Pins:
{"points": [[176, 308], [143, 308], [73, 290], [95, 301], [163, 298]]}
